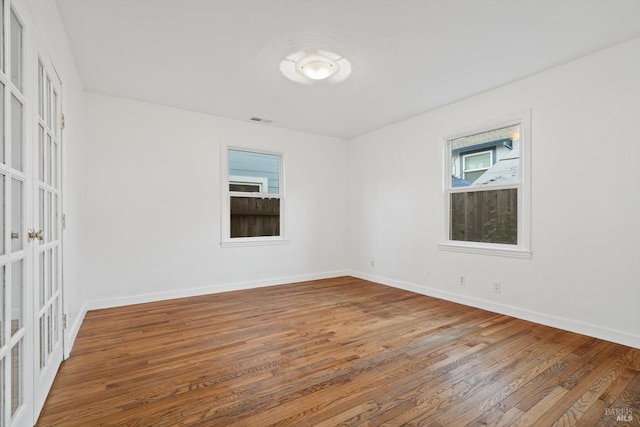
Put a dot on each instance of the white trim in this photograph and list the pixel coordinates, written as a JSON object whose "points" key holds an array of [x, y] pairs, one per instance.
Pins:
{"points": [[71, 333], [472, 188], [523, 248], [485, 249], [242, 242], [213, 289], [620, 337]]}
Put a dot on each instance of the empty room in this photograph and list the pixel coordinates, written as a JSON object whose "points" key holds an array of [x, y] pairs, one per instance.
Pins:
{"points": [[320, 213]]}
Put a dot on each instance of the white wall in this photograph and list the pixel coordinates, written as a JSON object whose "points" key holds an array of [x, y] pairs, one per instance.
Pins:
{"points": [[142, 194], [153, 205], [585, 271], [49, 25]]}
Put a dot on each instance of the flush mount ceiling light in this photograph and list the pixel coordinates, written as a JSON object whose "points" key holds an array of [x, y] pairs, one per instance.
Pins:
{"points": [[321, 66], [317, 67]]}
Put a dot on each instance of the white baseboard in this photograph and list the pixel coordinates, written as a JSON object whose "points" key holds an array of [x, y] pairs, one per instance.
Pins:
{"points": [[595, 331], [72, 332], [183, 293]]}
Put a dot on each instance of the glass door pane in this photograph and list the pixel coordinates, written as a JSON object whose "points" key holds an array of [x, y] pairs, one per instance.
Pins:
{"points": [[2, 149], [2, 214], [3, 291], [17, 292], [16, 134], [41, 156], [2, 400], [41, 281], [48, 150], [16, 50], [2, 45], [40, 90], [16, 377], [16, 215]]}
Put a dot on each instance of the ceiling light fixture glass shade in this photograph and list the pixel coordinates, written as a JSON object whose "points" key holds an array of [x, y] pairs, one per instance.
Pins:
{"points": [[318, 67]]}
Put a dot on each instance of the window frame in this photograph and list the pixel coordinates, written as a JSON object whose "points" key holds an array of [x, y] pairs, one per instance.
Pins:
{"points": [[523, 248], [260, 182], [225, 214], [475, 153]]}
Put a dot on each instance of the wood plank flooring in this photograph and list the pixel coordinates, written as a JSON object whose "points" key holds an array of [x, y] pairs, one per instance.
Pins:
{"points": [[335, 352]]}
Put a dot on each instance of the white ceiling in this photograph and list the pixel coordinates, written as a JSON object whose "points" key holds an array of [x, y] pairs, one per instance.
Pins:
{"points": [[222, 56]]}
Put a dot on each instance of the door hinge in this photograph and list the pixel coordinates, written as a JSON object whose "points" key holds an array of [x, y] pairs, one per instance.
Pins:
{"points": [[63, 221], [62, 122], [64, 321]]}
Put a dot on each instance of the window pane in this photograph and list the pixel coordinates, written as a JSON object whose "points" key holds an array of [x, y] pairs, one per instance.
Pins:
{"points": [[3, 213], [42, 341], [41, 154], [254, 217], [2, 149], [40, 90], [42, 209], [2, 54], [54, 269], [2, 305], [49, 318], [17, 290], [477, 161], [54, 164], [495, 154], [50, 270], [55, 220], [41, 281], [16, 377], [255, 170], [49, 165], [16, 51], [2, 381], [54, 112], [16, 134], [485, 216], [245, 187], [471, 177], [56, 321], [48, 101], [16, 215], [47, 230]]}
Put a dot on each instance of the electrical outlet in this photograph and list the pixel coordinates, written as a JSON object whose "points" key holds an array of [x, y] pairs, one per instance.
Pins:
{"points": [[373, 264], [462, 281], [497, 287]]}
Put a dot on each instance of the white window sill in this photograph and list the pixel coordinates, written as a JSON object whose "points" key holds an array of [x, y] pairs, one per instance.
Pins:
{"points": [[487, 249], [248, 241]]}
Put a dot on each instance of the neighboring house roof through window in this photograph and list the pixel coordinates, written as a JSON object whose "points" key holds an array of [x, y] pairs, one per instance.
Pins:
{"points": [[504, 171]]}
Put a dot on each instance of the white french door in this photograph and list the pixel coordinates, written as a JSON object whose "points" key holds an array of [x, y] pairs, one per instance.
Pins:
{"points": [[48, 251], [31, 333], [15, 258]]}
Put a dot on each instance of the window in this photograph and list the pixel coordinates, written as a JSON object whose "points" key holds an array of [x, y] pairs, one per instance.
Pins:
{"points": [[476, 164], [248, 184], [486, 190], [253, 197]]}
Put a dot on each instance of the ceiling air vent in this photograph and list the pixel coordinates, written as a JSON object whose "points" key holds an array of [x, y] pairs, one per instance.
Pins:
{"points": [[260, 120]]}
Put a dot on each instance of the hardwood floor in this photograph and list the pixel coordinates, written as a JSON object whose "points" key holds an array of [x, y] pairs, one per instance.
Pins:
{"points": [[336, 352]]}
